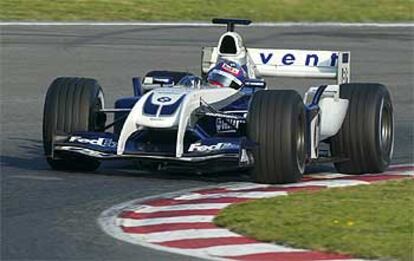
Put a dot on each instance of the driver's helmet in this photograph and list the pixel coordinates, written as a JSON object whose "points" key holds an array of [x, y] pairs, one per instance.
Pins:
{"points": [[227, 74]]}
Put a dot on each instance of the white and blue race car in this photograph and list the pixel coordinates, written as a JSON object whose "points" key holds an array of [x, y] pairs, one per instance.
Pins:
{"points": [[178, 121]]}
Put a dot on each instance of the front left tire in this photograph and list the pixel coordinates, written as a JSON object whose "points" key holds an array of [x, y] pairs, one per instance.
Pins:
{"points": [[276, 123]]}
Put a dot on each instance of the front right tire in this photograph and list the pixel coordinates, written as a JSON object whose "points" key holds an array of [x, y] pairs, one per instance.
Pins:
{"points": [[71, 104]]}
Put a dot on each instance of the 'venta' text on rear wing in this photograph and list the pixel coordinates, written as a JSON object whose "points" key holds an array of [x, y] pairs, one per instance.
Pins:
{"points": [[301, 63], [291, 63]]}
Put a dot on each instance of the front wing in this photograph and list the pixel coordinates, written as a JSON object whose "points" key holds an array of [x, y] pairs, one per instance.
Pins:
{"points": [[230, 152]]}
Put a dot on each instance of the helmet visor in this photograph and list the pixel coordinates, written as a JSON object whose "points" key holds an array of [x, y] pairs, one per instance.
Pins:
{"points": [[222, 79]]}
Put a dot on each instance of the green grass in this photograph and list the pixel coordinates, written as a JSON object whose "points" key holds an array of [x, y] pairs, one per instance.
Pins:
{"points": [[193, 10], [375, 221]]}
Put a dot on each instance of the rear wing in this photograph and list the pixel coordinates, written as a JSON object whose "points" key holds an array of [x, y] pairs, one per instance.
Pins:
{"points": [[290, 63]]}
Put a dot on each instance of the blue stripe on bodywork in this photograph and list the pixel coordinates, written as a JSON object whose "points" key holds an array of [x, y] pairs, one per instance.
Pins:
{"points": [[172, 108], [149, 107]]}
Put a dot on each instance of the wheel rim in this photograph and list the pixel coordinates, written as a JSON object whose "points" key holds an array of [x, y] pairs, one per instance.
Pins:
{"points": [[300, 143], [386, 128]]}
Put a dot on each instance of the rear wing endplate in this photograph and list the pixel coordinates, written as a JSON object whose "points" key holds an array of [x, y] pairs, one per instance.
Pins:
{"points": [[290, 63]]}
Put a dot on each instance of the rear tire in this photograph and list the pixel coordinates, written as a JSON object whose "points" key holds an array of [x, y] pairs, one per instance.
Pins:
{"points": [[71, 104], [276, 122], [366, 137]]}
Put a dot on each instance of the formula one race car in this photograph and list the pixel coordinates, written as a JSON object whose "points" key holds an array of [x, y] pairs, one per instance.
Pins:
{"points": [[227, 119]]}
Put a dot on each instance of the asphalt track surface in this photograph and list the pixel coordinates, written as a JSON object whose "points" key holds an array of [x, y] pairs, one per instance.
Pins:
{"points": [[49, 215]]}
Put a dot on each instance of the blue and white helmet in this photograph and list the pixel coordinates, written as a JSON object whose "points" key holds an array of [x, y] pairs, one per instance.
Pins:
{"points": [[227, 74]]}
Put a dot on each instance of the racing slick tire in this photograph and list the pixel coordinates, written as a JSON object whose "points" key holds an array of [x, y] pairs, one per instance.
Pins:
{"points": [[71, 104], [366, 138], [276, 122]]}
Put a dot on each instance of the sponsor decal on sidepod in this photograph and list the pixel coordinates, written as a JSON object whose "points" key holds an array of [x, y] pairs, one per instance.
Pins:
{"points": [[226, 126]]}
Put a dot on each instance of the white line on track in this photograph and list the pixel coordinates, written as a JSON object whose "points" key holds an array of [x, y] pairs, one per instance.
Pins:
{"points": [[250, 194], [35, 177], [244, 249], [327, 183], [394, 166], [150, 209], [205, 24], [159, 237], [328, 175], [403, 172], [243, 185], [126, 222]]}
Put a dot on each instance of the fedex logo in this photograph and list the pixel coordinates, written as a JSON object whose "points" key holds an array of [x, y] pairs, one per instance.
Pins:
{"points": [[198, 147], [102, 142], [302, 58]]}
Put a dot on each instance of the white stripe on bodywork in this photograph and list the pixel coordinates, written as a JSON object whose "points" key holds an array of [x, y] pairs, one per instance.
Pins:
{"points": [[127, 222]]}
